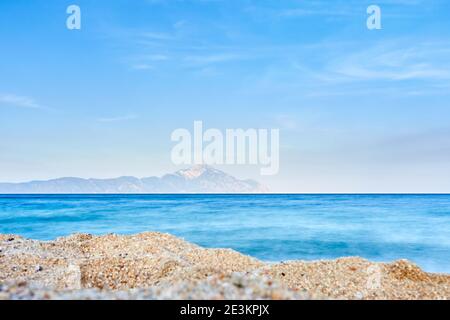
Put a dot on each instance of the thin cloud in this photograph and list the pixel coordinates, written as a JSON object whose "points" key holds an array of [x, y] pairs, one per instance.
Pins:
{"points": [[211, 59], [118, 119], [341, 9], [389, 62], [313, 12], [146, 61], [179, 24], [157, 35], [19, 101], [142, 67], [156, 57]]}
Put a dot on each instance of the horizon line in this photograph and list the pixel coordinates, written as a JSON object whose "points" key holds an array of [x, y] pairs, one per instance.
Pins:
{"points": [[226, 194]]}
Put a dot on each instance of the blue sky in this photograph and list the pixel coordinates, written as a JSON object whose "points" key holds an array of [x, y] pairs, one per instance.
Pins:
{"points": [[359, 110]]}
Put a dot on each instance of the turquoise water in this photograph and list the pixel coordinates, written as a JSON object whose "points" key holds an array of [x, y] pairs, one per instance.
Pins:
{"points": [[269, 227]]}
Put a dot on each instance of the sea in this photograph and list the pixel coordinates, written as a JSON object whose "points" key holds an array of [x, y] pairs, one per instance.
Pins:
{"points": [[270, 227]]}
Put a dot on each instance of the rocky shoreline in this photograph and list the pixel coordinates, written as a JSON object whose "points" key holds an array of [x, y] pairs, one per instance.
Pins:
{"points": [[161, 266]]}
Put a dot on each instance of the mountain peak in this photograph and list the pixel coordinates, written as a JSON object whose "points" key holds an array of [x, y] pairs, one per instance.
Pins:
{"points": [[195, 172]]}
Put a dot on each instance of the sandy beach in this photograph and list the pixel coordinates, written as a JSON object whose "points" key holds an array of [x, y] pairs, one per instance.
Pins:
{"points": [[161, 266]]}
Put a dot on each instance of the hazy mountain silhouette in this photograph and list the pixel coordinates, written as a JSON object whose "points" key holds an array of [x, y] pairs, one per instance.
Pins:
{"points": [[198, 179]]}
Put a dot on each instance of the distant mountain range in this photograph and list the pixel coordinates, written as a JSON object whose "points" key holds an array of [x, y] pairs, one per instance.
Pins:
{"points": [[198, 179]]}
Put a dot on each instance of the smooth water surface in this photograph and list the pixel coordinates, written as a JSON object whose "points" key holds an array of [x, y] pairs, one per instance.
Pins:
{"points": [[269, 227]]}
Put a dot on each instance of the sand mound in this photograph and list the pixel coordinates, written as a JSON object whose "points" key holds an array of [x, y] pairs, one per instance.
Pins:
{"points": [[161, 266]]}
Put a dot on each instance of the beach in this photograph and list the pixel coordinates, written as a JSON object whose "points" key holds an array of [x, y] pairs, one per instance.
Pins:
{"points": [[161, 266]]}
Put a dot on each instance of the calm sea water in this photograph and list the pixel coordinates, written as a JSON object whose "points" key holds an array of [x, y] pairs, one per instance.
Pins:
{"points": [[269, 227]]}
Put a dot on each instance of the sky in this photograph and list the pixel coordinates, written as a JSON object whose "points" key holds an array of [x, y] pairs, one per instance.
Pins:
{"points": [[358, 110]]}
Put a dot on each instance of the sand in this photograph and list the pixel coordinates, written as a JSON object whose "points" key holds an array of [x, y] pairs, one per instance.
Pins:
{"points": [[161, 266]]}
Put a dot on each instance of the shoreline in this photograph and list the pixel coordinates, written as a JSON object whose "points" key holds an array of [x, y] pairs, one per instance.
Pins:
{"points": [[160, 266]]}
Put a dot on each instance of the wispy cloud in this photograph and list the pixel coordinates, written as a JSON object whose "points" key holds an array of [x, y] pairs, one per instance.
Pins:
{"points": [[300, 12], [191, 48], [179, 24], [118, 119], [212, 58], [142, 66], [156, 57], [396, 66], [146, 61], [156, 35], [13, 100], [394, 62], [331, 9]]}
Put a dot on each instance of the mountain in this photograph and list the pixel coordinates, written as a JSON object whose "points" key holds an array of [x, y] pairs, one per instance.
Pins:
{"points": [[198, 179]]}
